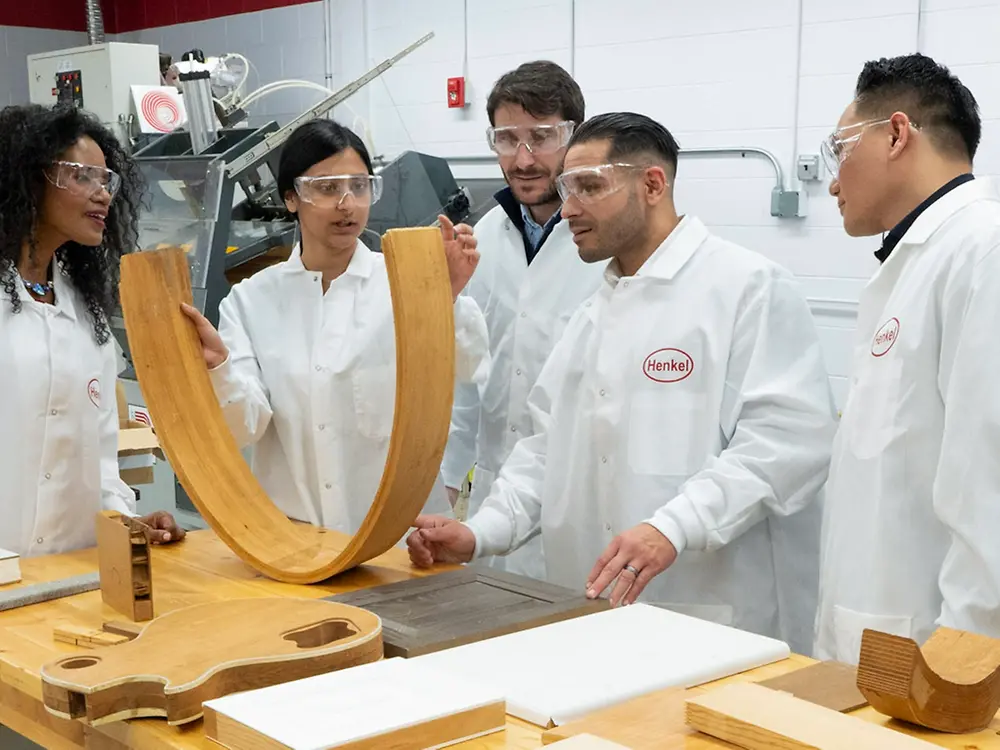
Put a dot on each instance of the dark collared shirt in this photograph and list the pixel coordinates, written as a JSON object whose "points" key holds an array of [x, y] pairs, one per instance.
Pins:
{"points": [[892, 239], [533, 240]]}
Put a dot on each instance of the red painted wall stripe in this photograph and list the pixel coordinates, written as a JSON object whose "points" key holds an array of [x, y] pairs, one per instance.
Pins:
{"points": [[127, 15]]}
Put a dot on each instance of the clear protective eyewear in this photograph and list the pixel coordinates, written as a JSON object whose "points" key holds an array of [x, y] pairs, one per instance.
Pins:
{"points": [[84, 180], [538, 139], [330, 191], [593, 184], [835, 148]]}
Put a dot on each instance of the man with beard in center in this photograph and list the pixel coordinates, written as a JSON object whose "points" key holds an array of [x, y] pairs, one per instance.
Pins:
{"points": [[529, 281]]}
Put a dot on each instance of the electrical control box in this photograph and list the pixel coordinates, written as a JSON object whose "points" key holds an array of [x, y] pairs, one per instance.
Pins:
{"points": [[98, 78]]}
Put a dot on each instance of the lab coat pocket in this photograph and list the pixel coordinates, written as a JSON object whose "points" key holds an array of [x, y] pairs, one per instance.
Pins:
{"points": [[873, 404], [374, 400], [848, 626], [663, 433]]}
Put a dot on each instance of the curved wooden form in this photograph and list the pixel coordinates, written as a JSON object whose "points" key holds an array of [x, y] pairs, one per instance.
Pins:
{"points": [[952, 684], [192, 655], [200, 447]]}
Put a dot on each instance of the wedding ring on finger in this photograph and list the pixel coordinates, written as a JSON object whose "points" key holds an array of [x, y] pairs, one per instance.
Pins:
{"points": [[632, 570]]}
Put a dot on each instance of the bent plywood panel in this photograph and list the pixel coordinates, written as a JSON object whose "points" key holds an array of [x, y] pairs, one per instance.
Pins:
{"points": [[201, 449], [186, 657], [952, 684]]}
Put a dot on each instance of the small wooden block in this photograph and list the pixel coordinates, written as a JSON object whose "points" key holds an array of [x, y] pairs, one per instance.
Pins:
{"points": [[830, 684], [424, 615], [86, 637], [652, 722], [126, 572], [591, 742], [757, 718]]}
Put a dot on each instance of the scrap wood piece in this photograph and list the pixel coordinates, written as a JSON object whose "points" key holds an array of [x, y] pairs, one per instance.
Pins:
{"points": [[757, 718], [191, 428], [952, 684], [128, 629], [126, 567], [830, 684], [85, 637], [654, 721], [206, 651]]}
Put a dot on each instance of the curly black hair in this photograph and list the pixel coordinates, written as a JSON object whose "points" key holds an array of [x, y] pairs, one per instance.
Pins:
{"points": [[32, 137]]}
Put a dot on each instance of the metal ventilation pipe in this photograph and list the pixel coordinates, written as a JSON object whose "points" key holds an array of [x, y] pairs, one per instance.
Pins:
{"points": [[95, 22]]}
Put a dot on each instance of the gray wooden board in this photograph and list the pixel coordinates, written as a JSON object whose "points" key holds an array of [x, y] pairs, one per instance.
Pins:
{"points": [[424, 615], [22, 596]]}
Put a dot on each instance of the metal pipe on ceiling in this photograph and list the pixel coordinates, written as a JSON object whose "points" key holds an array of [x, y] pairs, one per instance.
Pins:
{"points": [[95, 22]]}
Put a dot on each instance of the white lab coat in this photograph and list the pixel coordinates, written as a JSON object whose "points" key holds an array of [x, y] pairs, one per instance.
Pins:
{"points": [[913, 509], [691, 396], [527, 308], [310, 381], [59, 441]]}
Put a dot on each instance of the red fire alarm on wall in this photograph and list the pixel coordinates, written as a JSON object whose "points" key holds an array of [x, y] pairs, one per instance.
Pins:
{"points": [[456, 92]]}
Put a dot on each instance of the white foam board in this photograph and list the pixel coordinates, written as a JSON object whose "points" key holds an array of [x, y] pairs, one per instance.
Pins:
{"points": [[362, 702], [557, 673]]}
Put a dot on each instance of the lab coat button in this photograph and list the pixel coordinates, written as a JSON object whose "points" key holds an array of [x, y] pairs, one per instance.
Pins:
{"points": [[625, 285], [318, 368], [607, 526], [604, 459], [602, 392], [48, 476], [513, 428], [53, 412], [322, 427], [329, 486], [518, 371], [524, 315], [39, 540]]}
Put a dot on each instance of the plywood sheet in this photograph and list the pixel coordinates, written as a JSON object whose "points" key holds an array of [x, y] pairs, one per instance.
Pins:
{"points": [[830, 684], [758, 718], [394, 703], [556, 673], [450, 609]]}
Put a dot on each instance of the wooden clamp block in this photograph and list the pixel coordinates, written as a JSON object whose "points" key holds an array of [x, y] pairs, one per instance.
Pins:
{"points": [[952, 684], [201, 449], [758, 718], [124, 559], [85, 637]]}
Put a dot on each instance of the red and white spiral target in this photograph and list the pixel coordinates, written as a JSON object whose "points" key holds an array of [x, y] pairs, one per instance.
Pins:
{"points": [[160, 111]]}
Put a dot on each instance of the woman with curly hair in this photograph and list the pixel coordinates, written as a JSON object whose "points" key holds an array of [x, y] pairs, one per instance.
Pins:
{"points": [[69, 204]]}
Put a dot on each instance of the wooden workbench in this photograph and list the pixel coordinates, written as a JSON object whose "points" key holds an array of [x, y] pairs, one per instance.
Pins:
{"points": [[202, 569]]}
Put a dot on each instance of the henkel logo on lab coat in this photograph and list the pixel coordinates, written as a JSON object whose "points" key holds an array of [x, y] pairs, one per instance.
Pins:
{"points": [[668, 365], [94, 392], [885, 337]]}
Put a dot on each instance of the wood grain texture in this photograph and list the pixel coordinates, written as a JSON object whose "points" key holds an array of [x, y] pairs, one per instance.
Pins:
{"points": [[194, 654], [952, 684], [757, 718], [652, 722], [830, 684], [125, 564], [463, 606], [592, 742], [202, 452]]}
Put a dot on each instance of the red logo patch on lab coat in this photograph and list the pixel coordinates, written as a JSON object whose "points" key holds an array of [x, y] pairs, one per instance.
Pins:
{"points": [[94, 392], [885, 337], [668, 365]]}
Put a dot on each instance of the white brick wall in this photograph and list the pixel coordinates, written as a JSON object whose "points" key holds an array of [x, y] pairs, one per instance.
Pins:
{"points": [[716, 73]]}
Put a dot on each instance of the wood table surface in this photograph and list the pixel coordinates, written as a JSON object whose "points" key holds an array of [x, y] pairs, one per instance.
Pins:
{"points": [[202, 569]]}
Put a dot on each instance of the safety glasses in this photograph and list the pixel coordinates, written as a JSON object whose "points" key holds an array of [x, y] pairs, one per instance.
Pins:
{"points": [[330, 191], [537, 139], [593, 184], [83, 180], [836, 147]]}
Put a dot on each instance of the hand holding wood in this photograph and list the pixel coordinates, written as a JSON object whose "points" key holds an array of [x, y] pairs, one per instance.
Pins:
{"points": [[460, 252], [213, 348], [440, 539], [161, 528], [632, 560]]}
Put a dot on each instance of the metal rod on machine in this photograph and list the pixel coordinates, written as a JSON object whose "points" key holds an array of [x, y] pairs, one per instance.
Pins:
{"points": [[278, 138]]}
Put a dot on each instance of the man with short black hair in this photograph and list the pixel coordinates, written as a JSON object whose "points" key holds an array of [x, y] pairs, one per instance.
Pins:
{"points": [[684, 407], [528, 282], [913, 502]]}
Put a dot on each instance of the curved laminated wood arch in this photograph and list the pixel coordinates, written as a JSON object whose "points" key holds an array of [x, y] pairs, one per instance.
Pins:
{"points": [[189, 422], [951, 684]]}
